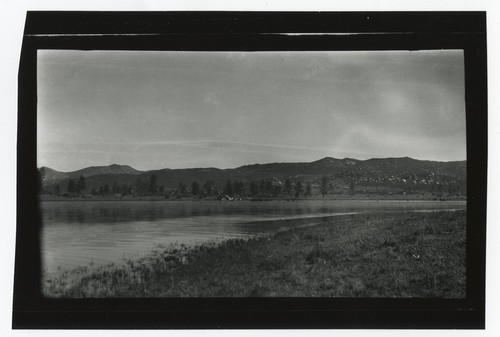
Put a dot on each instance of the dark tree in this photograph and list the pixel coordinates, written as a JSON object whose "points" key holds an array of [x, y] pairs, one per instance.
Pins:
{"points": [[228, 189], [195, 188], [152, 183], [298, 189], [208, 187], [353, 179], [254, 188], [440, 189], [308, 190], [71, 186], [215, 190], [125, 189], [352, 186], [452, 189], [57, 190], [238, 187], [115, 188], [324, 186], [288, 186], [182, 189], [269, 186], [277, 190], [262, 186], [137, 185], [80, 184], [141, 187], [105, 189]]}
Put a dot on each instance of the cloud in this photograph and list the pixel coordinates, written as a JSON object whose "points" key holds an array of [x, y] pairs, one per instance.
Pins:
{"points": [[229, 109]]}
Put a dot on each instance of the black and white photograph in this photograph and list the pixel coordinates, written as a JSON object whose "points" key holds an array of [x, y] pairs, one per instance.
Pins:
{"points": [[330, 174], [251, 170]]}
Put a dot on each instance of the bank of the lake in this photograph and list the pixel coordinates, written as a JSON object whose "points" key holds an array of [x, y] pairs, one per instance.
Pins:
{"points": [[340, 197], [407, 255]]}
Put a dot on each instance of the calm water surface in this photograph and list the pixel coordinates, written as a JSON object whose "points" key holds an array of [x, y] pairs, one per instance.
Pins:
{"points": [[77, 233]]}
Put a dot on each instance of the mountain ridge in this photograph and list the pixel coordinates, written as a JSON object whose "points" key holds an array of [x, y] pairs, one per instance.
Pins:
{"points": [[51, 174], [330, 159], [405, 173]]}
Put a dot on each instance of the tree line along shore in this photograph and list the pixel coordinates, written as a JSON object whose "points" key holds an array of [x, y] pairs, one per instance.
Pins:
{"points": [[263, 189]]}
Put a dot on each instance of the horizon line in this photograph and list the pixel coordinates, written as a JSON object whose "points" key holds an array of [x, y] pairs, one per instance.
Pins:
{"points": [[270, 163]]}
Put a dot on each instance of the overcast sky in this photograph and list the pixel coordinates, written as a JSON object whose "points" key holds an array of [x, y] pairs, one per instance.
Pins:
{"points": [[156, 110]]}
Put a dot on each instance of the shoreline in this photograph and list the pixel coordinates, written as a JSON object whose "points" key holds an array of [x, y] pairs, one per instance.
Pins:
{"points": [[359, 256], [347, 198]]}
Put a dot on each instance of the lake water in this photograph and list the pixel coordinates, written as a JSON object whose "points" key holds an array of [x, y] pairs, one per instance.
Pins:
{"points": [[76, 233]]}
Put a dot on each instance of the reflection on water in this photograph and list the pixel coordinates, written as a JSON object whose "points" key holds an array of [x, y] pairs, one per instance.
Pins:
{"points": [[77, 233]]}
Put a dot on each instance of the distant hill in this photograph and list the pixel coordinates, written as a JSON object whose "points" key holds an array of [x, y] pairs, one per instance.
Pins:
{"points": [[51, 175], [372, 174], [97, 170]]}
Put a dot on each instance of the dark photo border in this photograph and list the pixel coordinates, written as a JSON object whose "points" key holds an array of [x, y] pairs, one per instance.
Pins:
{"points": [[251, 31]]}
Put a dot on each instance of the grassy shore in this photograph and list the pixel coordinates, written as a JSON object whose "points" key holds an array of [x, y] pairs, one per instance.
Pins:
{"points": [[409, 255], [373, 197]]}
